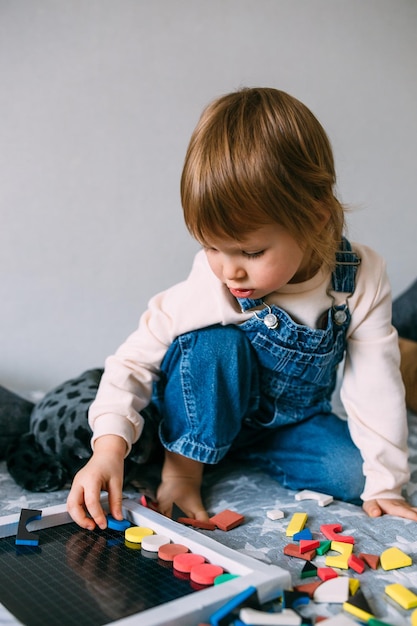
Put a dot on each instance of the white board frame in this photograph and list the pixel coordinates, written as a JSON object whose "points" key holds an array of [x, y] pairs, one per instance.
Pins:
{"points": [[269, 580]]}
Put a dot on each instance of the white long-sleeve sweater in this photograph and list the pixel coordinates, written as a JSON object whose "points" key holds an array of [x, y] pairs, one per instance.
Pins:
{"points": [[372, 391]]}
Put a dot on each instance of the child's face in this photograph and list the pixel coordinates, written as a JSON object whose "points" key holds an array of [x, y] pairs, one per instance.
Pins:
{"points": [[260, 263]]}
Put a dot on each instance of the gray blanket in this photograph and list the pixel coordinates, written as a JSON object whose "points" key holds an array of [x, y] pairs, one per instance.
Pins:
{"points": [[253, 494]]}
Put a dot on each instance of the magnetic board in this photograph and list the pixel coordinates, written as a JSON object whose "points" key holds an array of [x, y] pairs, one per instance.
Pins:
{"points": [[75, 576]]}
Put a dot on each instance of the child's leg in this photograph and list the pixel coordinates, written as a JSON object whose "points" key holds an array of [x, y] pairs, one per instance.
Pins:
{"points": [[316, 454], [208, 385]]}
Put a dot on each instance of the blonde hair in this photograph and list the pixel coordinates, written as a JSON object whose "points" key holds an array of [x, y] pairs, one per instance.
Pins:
{"points": [[259, 155]]}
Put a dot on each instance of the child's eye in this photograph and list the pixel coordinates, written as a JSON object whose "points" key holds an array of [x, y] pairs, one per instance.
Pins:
{"points": [[253, 255]]}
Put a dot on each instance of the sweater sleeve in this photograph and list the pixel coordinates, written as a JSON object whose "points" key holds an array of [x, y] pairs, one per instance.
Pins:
{"points": [[372, 390], [126, 385]]}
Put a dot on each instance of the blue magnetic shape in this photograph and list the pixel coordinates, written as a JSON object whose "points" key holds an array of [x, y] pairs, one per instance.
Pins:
{"points": [[23, 536], [225, 610], [303, 534], [116, 524]]}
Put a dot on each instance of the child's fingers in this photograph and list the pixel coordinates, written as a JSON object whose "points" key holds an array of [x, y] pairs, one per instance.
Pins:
{"points": [[94, 508], [372, 508], [75, 507], [399, 508], [115, 497], [83, 504]]}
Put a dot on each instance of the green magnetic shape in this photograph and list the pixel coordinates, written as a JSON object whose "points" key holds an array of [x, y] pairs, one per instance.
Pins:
{"points": [[323, 547]]}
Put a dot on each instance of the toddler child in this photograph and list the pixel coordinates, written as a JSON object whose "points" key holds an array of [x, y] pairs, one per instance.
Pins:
{"points": [[241, 358]]}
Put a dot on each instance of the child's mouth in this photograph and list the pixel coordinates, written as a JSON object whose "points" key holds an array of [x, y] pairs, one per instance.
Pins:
{"points": [[241, 293]]}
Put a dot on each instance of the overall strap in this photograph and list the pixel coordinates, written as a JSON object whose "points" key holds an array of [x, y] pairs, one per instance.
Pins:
{"points": [[347, 263]]}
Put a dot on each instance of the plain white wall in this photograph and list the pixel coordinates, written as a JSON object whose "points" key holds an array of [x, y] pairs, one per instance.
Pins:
{"points": [[98, 99]]}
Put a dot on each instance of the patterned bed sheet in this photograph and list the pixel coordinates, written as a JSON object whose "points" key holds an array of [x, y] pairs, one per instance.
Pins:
{"points": [[253, 494]]}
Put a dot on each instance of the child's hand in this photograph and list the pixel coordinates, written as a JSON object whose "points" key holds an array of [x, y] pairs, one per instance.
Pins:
{"points": [[399, 508], [104, 471]]}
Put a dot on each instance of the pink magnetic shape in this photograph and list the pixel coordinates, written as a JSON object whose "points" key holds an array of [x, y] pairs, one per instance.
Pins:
{"points": [[205, 573]]}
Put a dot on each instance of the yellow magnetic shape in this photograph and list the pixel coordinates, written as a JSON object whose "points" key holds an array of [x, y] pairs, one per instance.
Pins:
{"points": [[354, 584], [394, 558], [135, 534], [297, 523], [401, 595], [362, 615], [341, 560], [414, 618], [132, 546]]}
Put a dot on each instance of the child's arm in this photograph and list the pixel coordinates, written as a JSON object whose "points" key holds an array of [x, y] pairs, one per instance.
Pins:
{"points": [[104, 471], [127, 384], [399, 508], [373, 393]]}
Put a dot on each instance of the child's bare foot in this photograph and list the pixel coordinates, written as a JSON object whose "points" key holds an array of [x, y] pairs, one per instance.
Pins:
{"points": [[181, 483]]}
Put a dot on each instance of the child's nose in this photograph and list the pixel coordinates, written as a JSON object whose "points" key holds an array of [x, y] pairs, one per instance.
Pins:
{"points": [[233, 270]]}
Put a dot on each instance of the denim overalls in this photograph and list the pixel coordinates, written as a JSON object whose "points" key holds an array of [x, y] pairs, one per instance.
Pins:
{"points": [[261, 392]]}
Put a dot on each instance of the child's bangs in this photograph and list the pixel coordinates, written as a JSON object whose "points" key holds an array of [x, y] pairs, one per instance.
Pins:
{"points": [[224, 216]]}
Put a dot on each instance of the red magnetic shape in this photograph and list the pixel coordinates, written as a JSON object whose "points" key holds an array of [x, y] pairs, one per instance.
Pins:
{"points": [[168, 551], [195, 523], [308, 544], [372, 560], [332, 532], [356, 563], [148, 503], [308, 588], [326, 573], [185, 561], [293, 549], [226, 520], [205, 573]]}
